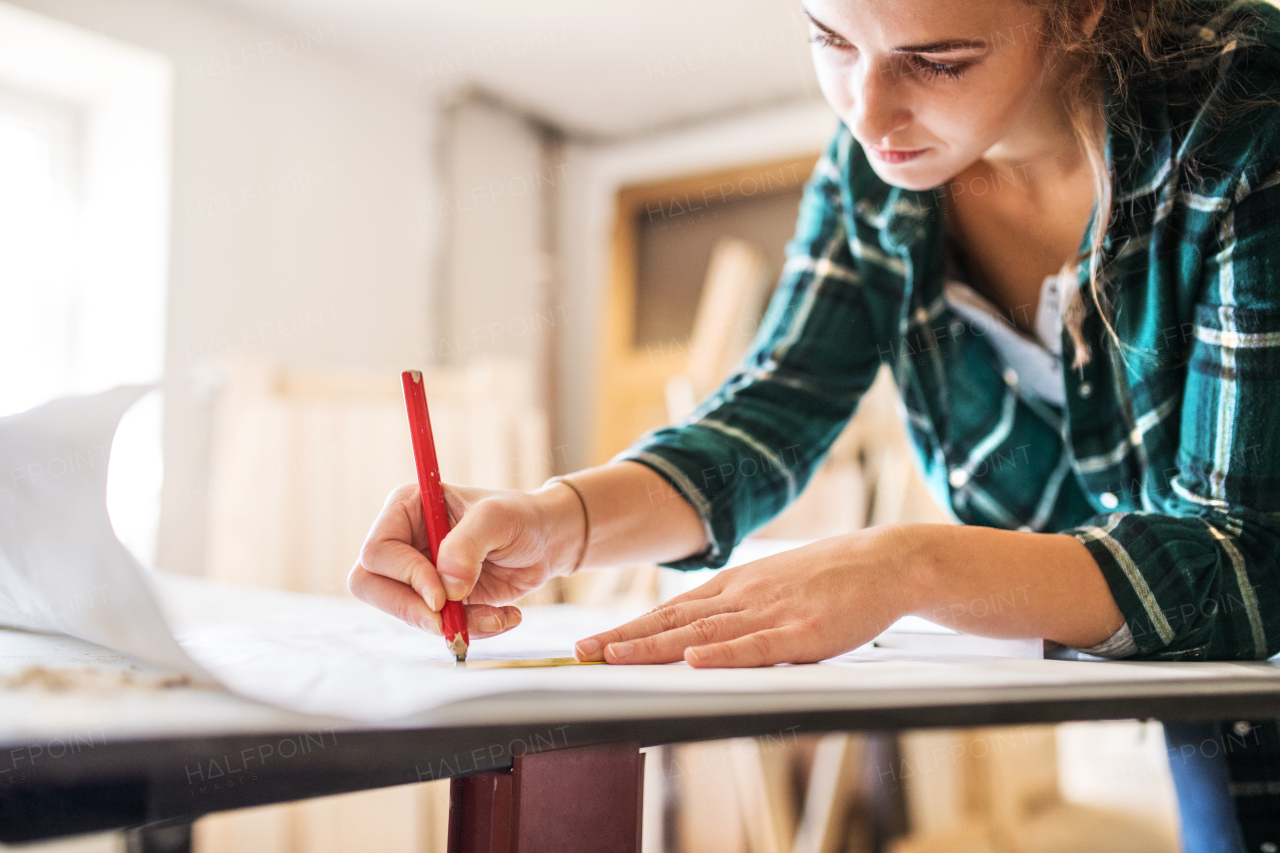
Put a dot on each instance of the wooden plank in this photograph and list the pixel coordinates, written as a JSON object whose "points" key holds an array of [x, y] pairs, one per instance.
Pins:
{"points": [[630, 384], [708, 814], [834, 788], [727, 312], [763, 775]]}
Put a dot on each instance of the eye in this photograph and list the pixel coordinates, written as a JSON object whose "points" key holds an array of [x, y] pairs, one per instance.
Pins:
{"points": [[935, 70], [823, 39]]}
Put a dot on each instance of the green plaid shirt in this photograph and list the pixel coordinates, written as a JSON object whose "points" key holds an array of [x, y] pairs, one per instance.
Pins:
{"points": [[1165, 461]]}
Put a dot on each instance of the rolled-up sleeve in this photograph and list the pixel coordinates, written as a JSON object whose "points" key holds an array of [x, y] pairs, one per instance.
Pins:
{"points": [[1201, 580], [752, 446]]}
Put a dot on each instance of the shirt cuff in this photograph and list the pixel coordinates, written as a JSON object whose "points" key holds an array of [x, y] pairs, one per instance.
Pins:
{"points": [[711, 556], [1119, 645]]}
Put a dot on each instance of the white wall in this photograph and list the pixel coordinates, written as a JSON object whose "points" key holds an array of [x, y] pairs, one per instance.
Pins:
{"points": [[299, 181], [489, 215], [593, 175], [306, 220]]}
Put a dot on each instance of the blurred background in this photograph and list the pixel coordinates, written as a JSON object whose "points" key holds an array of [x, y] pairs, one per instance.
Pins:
{"points": [[569, 215]]}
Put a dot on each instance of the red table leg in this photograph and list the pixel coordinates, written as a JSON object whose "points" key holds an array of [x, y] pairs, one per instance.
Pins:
{"points": [[480, 813], [583, 800]]}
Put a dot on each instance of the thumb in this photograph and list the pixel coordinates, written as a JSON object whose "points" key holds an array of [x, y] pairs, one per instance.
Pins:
{"points": [[488, 526]]}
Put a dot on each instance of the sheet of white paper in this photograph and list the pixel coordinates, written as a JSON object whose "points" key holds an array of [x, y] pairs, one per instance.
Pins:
{"points": [[61, 567], [336, 656], [63, 570]]}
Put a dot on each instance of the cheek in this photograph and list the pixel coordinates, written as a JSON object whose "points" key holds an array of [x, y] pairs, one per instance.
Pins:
{"points": [[1006, 91], [957, 117], [976, 114], [833, 80]]}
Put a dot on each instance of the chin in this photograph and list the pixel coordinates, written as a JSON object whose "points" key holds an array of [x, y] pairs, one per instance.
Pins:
{"points": [[910, 177]]}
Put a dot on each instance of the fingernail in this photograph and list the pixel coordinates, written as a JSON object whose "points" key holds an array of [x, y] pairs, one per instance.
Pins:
{"points": [[454, 589], [491, 624], [587, 648], [620, 650]]}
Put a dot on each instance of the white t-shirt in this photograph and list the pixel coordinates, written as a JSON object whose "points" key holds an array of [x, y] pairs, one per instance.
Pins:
{"points": [[1035, 361]]}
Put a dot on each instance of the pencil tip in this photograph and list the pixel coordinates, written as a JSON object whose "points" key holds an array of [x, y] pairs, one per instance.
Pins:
{"points": [[459, 648]]}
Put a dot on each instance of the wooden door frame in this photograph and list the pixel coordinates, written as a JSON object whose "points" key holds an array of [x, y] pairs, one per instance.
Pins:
{"points": [[623, 365]]}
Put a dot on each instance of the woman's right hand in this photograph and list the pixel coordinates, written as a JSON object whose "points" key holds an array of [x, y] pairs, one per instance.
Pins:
{"points": [[503, 545]]}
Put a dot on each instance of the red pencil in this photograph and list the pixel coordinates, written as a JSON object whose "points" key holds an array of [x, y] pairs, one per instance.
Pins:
{"points": [[434, 512]]}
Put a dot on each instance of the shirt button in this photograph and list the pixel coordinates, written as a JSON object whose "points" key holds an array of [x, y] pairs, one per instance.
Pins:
{"points": [[1108, 500], [1010, 377], [1085, 389], [958, 478]]}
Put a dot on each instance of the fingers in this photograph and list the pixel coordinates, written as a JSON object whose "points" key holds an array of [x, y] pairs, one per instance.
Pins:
{"points": [[400, 601], [484, 620], [670, 646], [490, 525], [733, 620], [718, 640], [392, 596], [636, 641], [759, 648], [392, 549]]}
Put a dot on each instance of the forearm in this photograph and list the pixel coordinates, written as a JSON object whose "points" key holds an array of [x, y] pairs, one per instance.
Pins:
{"points": [[1002, 583], [636, 517]]}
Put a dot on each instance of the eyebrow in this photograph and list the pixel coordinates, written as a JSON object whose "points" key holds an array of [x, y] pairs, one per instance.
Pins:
{"points": [[931, 47], [940, 46]]}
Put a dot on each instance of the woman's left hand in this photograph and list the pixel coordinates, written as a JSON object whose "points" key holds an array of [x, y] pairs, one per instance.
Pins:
{"points": [[800, 606]]}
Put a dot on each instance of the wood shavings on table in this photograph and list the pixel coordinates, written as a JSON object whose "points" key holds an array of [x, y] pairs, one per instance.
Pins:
{"points": [[60, 679]]}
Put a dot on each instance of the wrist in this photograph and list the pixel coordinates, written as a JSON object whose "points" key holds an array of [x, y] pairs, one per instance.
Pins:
{"points": [[564, 525], [911, 551]]}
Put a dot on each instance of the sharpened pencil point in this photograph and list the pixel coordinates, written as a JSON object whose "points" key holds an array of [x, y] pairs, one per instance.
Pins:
{"points": [[459, 648]]}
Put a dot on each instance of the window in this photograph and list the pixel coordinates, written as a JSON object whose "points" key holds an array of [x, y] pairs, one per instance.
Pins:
{"points": [[38, 217], [84, 217]]}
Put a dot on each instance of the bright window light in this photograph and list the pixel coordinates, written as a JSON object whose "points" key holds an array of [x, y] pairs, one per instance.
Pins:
{"points": [[84, 234], [37, 265]]}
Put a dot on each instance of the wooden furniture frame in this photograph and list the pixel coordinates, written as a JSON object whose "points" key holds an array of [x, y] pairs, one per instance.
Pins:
{"points": [[629, 396]]}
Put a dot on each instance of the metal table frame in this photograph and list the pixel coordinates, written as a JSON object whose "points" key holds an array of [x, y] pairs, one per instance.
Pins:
{"points": [[158, 786]]}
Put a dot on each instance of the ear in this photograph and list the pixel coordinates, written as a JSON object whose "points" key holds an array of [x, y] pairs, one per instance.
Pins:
{"points": [[1091, 17]]}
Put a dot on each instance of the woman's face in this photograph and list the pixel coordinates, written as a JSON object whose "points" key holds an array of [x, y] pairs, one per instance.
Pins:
{"points": [[928, 86]]}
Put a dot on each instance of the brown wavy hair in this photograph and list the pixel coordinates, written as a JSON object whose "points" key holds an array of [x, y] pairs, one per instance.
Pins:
{"points": [[1131, 39]]}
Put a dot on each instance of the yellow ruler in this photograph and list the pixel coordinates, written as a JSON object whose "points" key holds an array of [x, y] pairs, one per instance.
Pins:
{"points": [[523, 664]]}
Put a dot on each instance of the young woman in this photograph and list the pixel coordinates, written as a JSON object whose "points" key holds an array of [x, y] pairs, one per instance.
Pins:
{"points": [[1103, 176]]}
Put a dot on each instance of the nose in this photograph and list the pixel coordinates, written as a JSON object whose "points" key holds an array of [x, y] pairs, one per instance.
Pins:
{"points": [[879, 109]]}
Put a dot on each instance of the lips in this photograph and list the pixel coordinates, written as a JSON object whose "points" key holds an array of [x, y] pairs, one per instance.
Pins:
{"points": [[895, 155]]}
